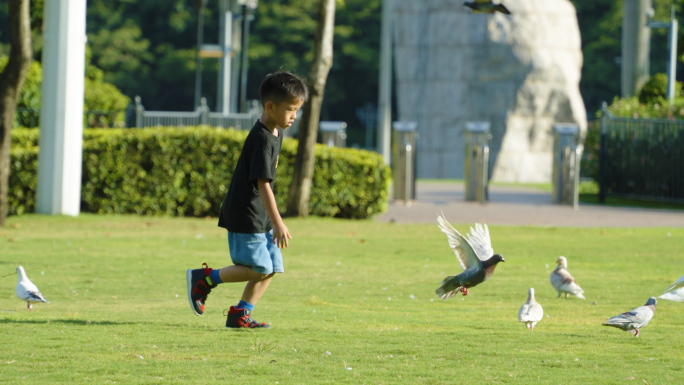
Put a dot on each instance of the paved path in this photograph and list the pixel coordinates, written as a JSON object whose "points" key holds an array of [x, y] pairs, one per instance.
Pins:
{"points": [[519, 206]]}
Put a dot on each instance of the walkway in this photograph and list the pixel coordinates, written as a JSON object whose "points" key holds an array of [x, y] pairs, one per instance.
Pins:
{"points": [[519, 206]]}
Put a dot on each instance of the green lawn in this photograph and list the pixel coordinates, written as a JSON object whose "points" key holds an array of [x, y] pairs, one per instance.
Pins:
{"points": [[631, 202], [356, 305]]}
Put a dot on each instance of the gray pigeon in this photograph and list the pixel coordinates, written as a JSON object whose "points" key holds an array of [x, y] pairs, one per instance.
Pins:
{"points": [[562, 280], [486, 6], [531, 311], [675, 292], [634, 319], [26, 290], [474, 254]]}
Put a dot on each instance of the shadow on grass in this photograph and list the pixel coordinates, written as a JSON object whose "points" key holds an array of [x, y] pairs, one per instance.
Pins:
{"points": [[66, 321]]}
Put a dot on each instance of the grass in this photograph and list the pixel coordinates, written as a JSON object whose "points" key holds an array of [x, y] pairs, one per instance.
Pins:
{"points": [[631, 202], [589, 193], [356, 305]]}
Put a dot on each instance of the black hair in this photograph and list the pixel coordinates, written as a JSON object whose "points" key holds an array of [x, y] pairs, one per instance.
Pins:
{"points": [[281, 86]]}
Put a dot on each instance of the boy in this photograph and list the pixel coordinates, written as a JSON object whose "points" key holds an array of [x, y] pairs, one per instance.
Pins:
{"points": [[256, 232]]}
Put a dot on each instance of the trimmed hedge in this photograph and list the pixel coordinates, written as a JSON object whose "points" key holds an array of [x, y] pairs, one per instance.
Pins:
{"points": [[171, 171], [21, 197]]}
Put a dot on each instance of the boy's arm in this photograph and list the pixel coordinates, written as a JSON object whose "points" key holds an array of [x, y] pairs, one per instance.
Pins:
{"points": [[280, 232]]}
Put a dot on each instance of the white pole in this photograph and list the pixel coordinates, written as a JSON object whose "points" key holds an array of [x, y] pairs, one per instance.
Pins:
{"points": [[672, 68], [385, 82], [225, 41], [61, 114]]}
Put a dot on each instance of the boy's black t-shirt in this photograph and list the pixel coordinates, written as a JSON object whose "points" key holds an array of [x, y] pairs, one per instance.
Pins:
{"points": [[243, 210]]}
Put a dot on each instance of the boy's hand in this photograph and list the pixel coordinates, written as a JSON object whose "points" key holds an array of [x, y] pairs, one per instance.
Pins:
{"points": [[280, 235]]}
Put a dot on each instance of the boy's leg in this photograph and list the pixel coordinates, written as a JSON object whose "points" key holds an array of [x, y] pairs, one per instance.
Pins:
{"points": [[257, 283], [239, 273], [239, 316], [256, 261], [254, 289]]}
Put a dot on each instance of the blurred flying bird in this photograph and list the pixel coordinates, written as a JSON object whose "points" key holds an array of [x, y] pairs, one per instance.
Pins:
{"points": [[675, 292], [674, 295], [474, 254], [26, 290], [676, 285], [562, 280], [634, 319], [531, 311], [486, 6]]}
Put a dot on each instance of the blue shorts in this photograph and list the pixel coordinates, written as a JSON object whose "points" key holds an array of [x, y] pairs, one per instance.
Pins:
{"points": [[256, 251]]}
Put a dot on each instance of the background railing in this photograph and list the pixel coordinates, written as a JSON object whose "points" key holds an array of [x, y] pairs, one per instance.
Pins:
{"points": [[135, 116], [641, 158], [201, 116]]}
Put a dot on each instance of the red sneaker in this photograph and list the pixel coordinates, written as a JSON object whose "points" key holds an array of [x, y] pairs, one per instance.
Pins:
{"points": [[199, 287], [239, 318]]}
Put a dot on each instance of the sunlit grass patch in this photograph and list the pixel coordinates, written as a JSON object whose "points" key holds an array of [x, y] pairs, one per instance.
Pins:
{"points": [[355, 305]]}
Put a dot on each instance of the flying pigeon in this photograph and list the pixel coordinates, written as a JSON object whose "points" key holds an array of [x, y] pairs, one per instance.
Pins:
{"points": [[675, 292], [531, 311], [486, 6], [634, 319], [474, 254], [563, 282], [674, 295], [26, 290]]}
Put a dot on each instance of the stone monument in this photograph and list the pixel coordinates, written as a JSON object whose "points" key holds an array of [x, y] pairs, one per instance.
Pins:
{"points": [[520, 72]]}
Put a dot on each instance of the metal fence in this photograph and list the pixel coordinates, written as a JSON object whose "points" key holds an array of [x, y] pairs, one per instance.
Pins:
{"points": [[641, 158], [201, 116], [136, 116]]}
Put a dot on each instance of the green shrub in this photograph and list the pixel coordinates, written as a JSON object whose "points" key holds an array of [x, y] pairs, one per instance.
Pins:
{"points": [[25, 137], [99, 96], [21, 197], [655, 89], [171, 171]]}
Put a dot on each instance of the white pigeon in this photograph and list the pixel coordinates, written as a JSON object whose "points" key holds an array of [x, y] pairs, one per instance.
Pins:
{"points": [[26, 290], [634, 319], [562, 280], [675, 292], [531, 311]]}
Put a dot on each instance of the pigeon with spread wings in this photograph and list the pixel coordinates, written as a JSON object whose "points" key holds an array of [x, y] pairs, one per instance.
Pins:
{"points": [[475, 255], [486, 6]]}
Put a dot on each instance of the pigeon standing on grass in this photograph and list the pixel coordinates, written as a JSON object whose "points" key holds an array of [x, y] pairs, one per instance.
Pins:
{"points": [[531, 311], [26, 290], [563, 282], [675, 292], [486, 6], [474, 254], [634, 319]]}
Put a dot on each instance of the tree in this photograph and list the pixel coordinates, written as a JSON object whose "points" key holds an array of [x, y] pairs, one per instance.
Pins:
{"points": [[104, 102], [300, 187], [11, 80]]}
